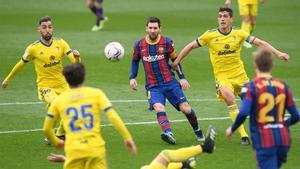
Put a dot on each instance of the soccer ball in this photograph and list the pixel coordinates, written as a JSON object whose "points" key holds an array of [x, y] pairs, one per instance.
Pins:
{"points": [[114, 51]]}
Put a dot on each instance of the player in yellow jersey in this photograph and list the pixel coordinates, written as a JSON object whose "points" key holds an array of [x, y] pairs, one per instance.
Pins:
{"points": [[171, 159], [248, 10], [47, 55], [79, 108], [224, 46]]}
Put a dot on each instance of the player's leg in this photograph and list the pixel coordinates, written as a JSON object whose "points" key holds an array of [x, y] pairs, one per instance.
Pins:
{"points": [[157, 101], [266, 158], [177, 98], [253, 14], [225, 91], [282, 155], [100, 18]]}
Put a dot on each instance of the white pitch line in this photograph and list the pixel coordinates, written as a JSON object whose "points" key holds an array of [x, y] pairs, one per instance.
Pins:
{"points": [[117, 101], [127, 124]]}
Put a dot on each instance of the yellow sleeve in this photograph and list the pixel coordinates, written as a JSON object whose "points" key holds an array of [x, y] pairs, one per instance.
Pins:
{"points": [[203, 39], [15, 70], [49, 123], [246, 36], [104, 102], [118, 124], [69, 52]]}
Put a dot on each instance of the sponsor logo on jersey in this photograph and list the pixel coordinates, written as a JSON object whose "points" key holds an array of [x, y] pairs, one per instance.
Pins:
{"points": [[153, 58], [53, 62], [226, 52]]}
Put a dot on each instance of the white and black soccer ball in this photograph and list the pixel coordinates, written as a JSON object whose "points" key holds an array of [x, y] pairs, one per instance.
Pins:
{"points": [[114, 51]]}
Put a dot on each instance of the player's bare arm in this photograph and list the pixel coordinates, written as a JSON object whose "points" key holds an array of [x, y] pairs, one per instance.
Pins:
{"points": [[228, 3], [185, 51], [265, 45]]}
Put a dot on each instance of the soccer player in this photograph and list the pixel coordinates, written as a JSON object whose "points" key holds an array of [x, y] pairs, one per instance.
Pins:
{"points": [[248, 10], [155, 51], [224, 46], [79, 109], [265, 100], [47, 56], [96, 6], [171, 159]]}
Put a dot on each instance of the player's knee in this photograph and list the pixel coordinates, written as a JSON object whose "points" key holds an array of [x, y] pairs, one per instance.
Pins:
{"points": [[98, 5], [230, 100], [185, 108], [246, 18], [90, 3], [158, 107]]}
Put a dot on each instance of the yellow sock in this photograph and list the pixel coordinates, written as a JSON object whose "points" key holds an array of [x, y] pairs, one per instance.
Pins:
{"points": [[175, 166], [181, 154], [60, 130], [155, 165], [233, 112], [245, 26], [252, 28]]}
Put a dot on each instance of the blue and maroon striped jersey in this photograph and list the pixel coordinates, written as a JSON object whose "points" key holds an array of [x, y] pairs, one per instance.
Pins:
{"points": [[265, 99], [155, 58]]}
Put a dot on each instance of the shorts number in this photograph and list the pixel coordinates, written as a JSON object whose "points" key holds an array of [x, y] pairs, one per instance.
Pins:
{"points": [[86, 117], [270, 101]]}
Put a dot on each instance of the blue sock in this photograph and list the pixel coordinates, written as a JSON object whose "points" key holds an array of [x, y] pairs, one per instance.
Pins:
{"points": [[193, 120], [94, 10], [99, 14]]}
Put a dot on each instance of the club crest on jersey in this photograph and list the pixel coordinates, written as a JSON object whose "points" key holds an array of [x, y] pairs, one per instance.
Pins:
{"points": [[161, 49], [52, 58], [227, 46]]}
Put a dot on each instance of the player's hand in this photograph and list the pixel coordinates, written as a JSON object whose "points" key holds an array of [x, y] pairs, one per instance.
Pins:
{"points": [[184, 84], [56, 158], [76, 53], [229, 132], [133, 84], [60, 144], [284, 56], [174, 65], [4, 84], [228, 3], [131, 146]]}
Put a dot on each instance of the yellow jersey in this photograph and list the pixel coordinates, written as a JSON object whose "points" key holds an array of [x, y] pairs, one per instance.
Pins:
{"points": [[247, 2], [48, 61], [225, 51], [79, 110]]}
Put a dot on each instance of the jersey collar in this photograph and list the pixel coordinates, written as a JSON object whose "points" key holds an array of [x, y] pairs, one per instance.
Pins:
{"points": [[48, 45], [152, 43], [225, 34]]}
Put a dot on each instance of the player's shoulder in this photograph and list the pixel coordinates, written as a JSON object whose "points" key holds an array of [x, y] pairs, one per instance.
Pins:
{"points": [[92, 90], [214, 30], [34, 44]]}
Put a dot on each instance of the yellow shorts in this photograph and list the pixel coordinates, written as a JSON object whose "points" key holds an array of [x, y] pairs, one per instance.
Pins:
{"points": [[248, 9], [234, 85], [96, 161], [48, 94]]}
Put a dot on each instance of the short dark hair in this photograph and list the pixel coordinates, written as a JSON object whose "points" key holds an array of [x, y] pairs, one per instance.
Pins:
{"points": [[263, 59], [153, 19], [44, 19], [226, 9], [74, 74]]}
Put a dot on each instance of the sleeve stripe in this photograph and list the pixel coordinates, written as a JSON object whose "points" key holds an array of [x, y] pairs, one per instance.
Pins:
{"points": [[250, 39], [108, 108], [70, 51], [25, 61], [50, 115], [198, 42]]}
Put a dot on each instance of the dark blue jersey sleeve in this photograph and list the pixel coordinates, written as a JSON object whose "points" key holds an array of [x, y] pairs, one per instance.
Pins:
{"points": [[135, 61]]}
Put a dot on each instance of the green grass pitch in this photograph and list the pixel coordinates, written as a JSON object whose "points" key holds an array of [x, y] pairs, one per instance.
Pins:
{"points": [[183, 21]]}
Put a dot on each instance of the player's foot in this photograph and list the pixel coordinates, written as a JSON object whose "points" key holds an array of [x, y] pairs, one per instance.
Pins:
{"points": [[199, 135], [209, 144], [101, 25], [245, 141], [247, 45], [168, 137], [48, 142], [189, 164]]}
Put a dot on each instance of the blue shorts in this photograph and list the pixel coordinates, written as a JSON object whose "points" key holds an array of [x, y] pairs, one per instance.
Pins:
{"points": [[172, 91], [270, 158], [99, 1]]}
